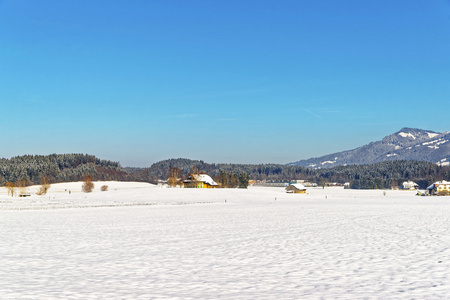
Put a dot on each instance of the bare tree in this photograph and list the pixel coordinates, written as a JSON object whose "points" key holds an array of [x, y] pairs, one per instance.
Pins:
{"points": [[11, 188], [45, 185], [195, 170], [88, 185], [22, 185], [174, 176]]}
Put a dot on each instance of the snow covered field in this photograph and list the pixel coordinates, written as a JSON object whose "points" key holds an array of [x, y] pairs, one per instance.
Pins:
{"points": [[138, 241]]}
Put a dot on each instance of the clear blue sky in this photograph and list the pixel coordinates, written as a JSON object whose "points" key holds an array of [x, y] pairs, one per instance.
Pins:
{"points": [[223, 81]]}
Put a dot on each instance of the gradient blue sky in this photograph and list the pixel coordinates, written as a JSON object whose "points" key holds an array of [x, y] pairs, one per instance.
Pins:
{"points": [[223, 81]]}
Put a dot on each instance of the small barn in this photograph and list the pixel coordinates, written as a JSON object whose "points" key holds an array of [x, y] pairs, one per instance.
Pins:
{"points": [[201, 181], [296, 188]]}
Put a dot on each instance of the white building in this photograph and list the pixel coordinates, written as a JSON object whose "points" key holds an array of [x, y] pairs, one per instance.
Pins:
{"points": [[410, 185]]}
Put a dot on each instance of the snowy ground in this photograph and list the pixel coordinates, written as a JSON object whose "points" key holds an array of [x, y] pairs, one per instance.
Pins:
{"points": [[138, 241]]}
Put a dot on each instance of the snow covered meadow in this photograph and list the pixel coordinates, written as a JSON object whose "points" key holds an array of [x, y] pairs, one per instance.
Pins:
{"points": [[138, 241]]}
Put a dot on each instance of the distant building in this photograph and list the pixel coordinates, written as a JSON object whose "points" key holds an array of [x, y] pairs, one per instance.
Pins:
{"points": [[274, 183], [296, 188], [309, 184], [200, 181], [254, 182], [162, 183], [410, 185], [439, 188], [347, 185]]}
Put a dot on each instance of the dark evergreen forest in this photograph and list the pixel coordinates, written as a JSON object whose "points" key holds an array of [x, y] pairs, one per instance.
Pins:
{"points": [[74, 167], [30, 169]]}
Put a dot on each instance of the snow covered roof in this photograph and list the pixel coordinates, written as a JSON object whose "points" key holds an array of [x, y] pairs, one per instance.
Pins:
{"points": [[410, 183], [204, 178], [298, 186]]}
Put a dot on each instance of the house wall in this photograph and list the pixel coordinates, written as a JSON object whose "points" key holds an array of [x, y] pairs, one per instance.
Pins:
{"points": [[198, 185], [300, 192], [443, 187], [292, 189]]}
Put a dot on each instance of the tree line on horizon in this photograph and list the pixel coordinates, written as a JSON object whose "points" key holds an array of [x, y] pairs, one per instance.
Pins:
{"points": [[381, 175], [30, 169]]}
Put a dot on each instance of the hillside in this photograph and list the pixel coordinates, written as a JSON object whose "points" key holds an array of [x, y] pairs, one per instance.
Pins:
{"points": [[59, 168], [406, 144]]}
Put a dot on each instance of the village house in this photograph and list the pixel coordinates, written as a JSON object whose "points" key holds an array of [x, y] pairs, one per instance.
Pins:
{"points": [[254, 182], [439, 188], [201, 181], [305, 183], [296, 188], [162, 183], [410, 185]]}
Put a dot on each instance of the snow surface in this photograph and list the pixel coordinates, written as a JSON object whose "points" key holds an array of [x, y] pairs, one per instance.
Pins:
{"points": [[404, 134], [328, 162], [437, 142], [138, 241], [432, 134], [444, 162]]}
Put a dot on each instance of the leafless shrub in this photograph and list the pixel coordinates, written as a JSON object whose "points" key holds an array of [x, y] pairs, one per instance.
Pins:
{"points": [[45, 185], [22, 185], [88, 185], [11, 188]]}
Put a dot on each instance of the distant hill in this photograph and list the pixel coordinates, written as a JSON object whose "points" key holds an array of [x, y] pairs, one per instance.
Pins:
{"points": [[59, 168], [406, 144], [160, 169]]}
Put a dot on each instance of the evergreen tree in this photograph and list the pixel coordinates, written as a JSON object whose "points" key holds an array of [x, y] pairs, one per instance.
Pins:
{"points": [[243, 180]]}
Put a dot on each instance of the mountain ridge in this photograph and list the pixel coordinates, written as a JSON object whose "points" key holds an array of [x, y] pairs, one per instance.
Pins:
{"points": [[405, 144]]}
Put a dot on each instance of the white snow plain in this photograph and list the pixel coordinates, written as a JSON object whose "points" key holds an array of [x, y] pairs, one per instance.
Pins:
{"points": [[138, 241]]}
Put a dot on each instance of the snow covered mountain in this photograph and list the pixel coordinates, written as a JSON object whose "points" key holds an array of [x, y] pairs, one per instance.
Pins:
{"points": [[406, 144]]}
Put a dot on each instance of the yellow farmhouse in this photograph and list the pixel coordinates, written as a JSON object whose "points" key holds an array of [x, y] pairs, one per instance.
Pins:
{"points": [[200, 181]]}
